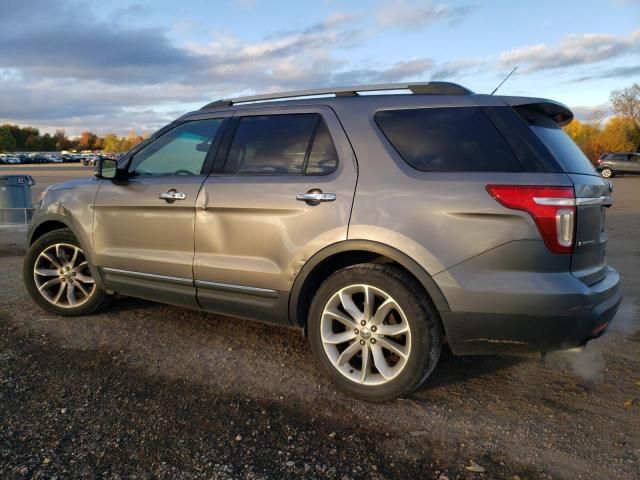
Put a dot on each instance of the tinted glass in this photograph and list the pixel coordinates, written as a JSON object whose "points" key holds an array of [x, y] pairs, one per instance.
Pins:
{"points": [[271, 144], [530, 151], [180, 151], [323, 158], [559, 144], [447, 140], [619, 158]]}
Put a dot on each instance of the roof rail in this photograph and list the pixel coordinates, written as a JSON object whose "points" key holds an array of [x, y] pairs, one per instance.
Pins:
{"points": [[424, 88]]}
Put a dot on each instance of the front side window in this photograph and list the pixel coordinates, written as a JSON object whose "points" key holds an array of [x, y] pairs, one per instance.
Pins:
{"points": [[180, 151], [447, 140], [281, 145]]}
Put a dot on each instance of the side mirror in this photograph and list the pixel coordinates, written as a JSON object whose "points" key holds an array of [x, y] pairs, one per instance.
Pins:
{"points": [[203, 147], [106, 168]]}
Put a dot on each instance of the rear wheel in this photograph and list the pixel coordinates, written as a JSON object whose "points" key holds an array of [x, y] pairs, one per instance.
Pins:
{"points": [[607, 172], [58, 277], [374, 331]]}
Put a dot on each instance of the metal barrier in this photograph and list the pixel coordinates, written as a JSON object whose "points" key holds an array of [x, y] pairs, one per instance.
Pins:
{"points": [[15, 217], [15, 199]]}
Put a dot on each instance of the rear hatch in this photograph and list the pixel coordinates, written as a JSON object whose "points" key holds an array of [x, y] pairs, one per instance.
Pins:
{"points": [[593, 193]]}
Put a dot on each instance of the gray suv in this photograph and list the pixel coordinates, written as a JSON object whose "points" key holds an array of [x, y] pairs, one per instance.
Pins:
{"points": [[609, 164], [383, 226]]}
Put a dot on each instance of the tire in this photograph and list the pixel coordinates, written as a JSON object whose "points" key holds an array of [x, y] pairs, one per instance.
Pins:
{"points": [[55, 288], [402, 317], [607, 172]]}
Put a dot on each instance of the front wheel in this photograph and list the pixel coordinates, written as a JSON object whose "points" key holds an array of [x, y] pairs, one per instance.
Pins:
{"points": [[374, 331], [57, 275], [606, 173]]}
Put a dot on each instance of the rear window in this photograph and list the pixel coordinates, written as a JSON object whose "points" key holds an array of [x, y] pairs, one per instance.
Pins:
{"points": [[559, 144], [447, 140]]}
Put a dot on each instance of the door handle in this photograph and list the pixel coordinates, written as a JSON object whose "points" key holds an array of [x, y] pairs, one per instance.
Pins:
{"points": [[172, 196], [314, 197]]}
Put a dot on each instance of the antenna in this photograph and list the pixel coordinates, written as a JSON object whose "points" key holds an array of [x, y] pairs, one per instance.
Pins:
{"points": [[506, 78]]}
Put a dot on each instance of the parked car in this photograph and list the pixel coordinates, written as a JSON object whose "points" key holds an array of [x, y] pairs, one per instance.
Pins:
{"points": [[380, 225], [89, 160], [12, 159], [610, 164]]}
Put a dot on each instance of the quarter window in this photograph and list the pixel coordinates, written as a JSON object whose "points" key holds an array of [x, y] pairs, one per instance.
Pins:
{"points": [[447, 140], [282, 145], [180, 151]]}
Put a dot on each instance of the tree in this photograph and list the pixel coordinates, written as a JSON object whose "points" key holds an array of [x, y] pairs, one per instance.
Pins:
{"points": [[48, 143], [7, 142], [33, 143], [618, 135], [586, 135], [132, 140], [111, 143], [98, 143], [61, 140], [86, 140], [626, 102]]}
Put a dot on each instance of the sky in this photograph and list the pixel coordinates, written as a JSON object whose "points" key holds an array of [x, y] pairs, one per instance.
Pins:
{"points": [[110, 66]]}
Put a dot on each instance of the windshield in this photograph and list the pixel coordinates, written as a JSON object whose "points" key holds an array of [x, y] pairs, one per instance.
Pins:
{"points": [[559, 144]]}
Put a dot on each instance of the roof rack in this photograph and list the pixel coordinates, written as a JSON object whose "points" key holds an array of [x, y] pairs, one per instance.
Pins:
{"points": [[424, 88]]}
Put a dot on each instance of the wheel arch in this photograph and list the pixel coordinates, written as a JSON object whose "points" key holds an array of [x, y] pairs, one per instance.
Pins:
{"points": [[351, 252], [50, 222], [46, 225]]}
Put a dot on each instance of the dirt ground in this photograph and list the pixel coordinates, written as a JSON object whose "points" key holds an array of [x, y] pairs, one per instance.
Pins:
{"points": [[144, 390]]}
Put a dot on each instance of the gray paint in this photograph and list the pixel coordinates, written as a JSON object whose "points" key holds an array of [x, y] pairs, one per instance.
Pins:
{"points": [[238, 237]]}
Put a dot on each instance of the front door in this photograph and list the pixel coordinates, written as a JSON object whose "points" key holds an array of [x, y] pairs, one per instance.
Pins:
{"points": [[282, 192], [143, 227]]}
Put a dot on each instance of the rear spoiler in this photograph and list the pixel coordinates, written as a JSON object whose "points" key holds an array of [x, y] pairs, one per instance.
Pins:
{"points": [[557, 111]]}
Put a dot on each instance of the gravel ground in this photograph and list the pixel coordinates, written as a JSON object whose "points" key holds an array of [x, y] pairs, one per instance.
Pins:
{"points": [[144, 390]]}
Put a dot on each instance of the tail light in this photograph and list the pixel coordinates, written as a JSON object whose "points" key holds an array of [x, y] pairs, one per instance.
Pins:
{"points": [[552, 208], [599, 161]]}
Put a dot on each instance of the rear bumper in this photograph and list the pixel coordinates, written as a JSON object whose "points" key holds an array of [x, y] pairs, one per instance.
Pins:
{"points": [[555, 313]]}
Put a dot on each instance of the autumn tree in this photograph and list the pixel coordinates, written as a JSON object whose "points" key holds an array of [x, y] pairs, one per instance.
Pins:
{"points": [[86, 140], [132, 140], [111, 143], [618, 135]]}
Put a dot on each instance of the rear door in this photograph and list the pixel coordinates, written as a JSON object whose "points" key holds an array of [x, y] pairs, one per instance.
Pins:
{"points": [[620, 162], [593, 197], [282, 190], [634, 163]]}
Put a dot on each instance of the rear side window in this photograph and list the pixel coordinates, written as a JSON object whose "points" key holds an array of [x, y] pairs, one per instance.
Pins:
{"points": [[559, 144], [281, 145], [447, 140]]}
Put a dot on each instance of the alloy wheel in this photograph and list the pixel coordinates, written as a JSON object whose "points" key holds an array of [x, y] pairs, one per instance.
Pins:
{"points": [[62, 276], [365, 334]]}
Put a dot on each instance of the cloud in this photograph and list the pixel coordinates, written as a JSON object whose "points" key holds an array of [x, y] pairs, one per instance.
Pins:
{"points": [[616, 72], [51, 39], [458, 68], [591, 113], [414, 17], [585, 49]]}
